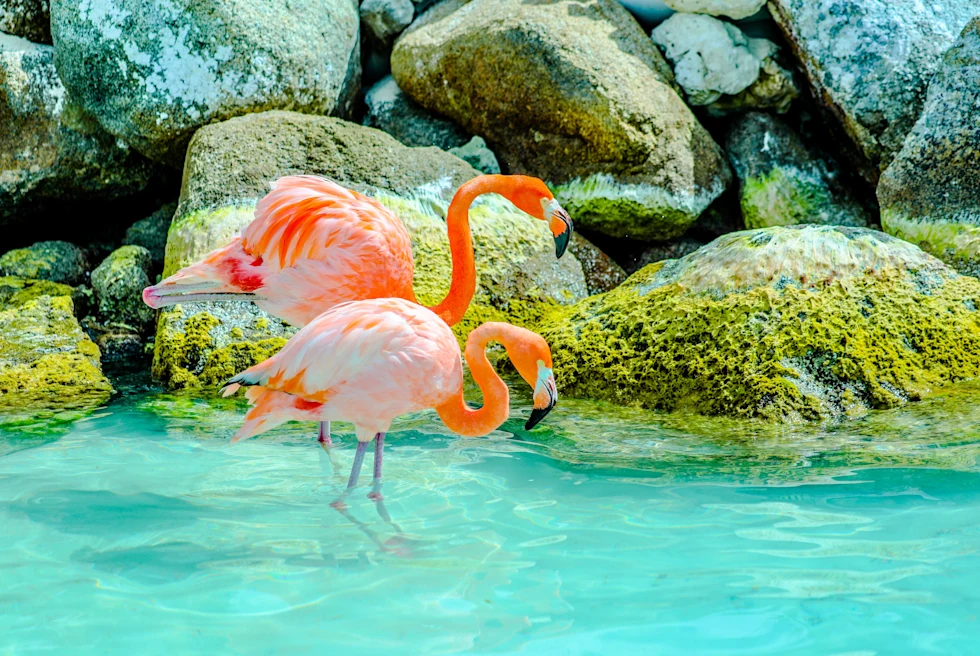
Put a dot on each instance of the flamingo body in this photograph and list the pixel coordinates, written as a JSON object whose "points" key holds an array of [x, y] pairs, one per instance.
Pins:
{"points": [[312, 245]]}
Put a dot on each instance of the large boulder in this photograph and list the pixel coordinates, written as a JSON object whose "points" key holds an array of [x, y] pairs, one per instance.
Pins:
{"points": [[782, 323], [606, 125], [231, 165], [391, 110], [871, 60], [57, 261], [47, 362], [28, 19], [930, 194], [50, 151], [781, 182], [154, 72]]}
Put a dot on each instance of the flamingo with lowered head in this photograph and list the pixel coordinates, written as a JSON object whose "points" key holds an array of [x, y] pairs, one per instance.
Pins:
{"points": [[370, 361], [314, 244]]}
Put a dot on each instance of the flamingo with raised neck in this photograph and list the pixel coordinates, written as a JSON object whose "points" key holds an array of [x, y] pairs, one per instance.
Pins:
{"points": [[368, 362]]}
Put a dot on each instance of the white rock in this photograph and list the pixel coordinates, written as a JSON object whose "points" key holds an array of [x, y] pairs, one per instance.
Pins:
{"points": [[732, 8], [711, 58]]}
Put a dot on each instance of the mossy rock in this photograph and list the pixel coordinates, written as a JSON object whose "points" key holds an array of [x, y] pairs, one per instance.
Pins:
{"points": [[46, 359], [16, 291], [118, 284], [606, 126], [782, 323], [57, 261]]}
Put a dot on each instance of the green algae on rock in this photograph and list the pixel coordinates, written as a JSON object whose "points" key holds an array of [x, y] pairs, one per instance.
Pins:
{"points": [[16, 291], [607, 128], [46, 359], [930, 194], [783, 323], [781, 182]]}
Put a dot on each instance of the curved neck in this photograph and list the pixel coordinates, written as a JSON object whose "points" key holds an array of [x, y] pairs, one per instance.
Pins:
{"points": [[452, 308], [455, 413]]}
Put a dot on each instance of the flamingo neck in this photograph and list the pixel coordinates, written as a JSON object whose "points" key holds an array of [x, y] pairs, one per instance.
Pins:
{"points": [[460, 417], [463, 285]]}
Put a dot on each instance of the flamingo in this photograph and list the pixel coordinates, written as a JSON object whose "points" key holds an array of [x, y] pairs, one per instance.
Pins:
{"points": [[370, 361], [314, 244]]}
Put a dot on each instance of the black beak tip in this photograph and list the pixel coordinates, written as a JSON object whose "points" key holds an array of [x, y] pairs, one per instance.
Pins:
{"points": [[536, 417], [561, 242]]}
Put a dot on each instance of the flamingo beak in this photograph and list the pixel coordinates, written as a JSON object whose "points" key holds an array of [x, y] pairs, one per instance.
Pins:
{"points": [[545, 396], [561, 226]]}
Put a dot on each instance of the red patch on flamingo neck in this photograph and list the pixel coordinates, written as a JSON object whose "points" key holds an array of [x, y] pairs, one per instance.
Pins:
{"points": [[303, 404], [244, 276]]}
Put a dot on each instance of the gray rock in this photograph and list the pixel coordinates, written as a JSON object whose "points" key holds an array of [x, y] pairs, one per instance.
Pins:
{"points": [[118, 284], [781, 182], [930, 194], [386, 19], [871, 60], [668, 250], [50, 151], [391, 110], [57, 261], [151, 234], [28, 19], [606, 126], [732, 8], [774, 89], [154, 72], [476, 154]]}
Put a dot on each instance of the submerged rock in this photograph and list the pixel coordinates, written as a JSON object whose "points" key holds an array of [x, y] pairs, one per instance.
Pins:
{"points": [[391, 110], [231, 165], [28, 19], [151, 234], [606, 127], [118, 284], [50, 151], [46, 360], [154, 73], [870, 61], [783, 323], [57, 261], [781, 182], [930, 194]]}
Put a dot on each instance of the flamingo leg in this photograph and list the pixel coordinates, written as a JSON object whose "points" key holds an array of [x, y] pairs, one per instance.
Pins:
{"points": [[324, 436], [355, 469], [379, 446]]}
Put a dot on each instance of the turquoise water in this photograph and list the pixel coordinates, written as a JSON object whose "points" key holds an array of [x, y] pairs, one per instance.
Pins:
{"points": [[141, 530]]}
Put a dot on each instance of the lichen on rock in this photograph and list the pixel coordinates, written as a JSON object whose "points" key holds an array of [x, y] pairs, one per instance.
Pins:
{"points": [[57, 261], [784, 324], [118, 284]]}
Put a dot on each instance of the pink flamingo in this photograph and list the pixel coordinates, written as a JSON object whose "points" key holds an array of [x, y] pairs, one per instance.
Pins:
{"points": [[314, 244], [370, 361]]}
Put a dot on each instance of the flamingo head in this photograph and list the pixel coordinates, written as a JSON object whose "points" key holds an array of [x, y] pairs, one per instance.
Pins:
{"points": [[532, 359], [533, 196]]}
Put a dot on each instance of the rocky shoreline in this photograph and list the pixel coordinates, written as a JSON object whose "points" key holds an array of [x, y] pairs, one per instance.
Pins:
{"points": [[794, 186]]}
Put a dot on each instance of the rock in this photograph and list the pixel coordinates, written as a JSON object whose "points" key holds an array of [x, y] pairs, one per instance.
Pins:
{"points": [[930, 194], [870, 61], [668, 250], [28, 19], [57, 261], [476, 154], [118, 284], [119, 348], [606, 127], [718, 66], [732, 8], [46, 360], [711, 57], [386, 19], [15, 291], [151, 234], [601, 272], [230, 166], [152, 74], [50, 151], [781, 182], [783, 324], [391, 110]]}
